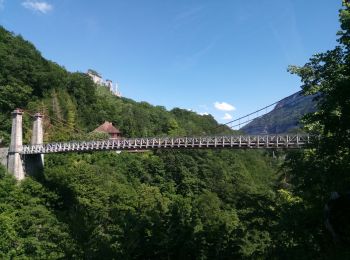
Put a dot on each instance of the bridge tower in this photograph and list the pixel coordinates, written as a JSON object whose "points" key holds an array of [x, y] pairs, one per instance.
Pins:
{"points": [[37, 134], [18, 164], [14, 160], [34, 163]]}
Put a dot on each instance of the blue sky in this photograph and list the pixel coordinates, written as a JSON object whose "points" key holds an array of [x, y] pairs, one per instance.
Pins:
{"points": [[226, 57]]}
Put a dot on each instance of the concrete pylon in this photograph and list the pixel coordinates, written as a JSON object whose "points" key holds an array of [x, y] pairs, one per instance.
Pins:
{"points": [[34, 164], [14, 160]]}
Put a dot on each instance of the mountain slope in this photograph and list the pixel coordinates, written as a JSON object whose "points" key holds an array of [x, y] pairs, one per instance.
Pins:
{"points": [[73, 104], [284, 118]]}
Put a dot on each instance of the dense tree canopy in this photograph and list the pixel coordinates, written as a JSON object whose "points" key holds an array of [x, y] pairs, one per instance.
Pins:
{"points": [[188, 204], [171, 204], [324, 169]]}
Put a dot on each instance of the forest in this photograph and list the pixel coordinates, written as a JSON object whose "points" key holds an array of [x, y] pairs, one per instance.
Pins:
{"points": [[205, 204]]}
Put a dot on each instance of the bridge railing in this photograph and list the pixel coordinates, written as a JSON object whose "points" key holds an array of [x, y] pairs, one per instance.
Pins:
{"points": [[234, 141]]}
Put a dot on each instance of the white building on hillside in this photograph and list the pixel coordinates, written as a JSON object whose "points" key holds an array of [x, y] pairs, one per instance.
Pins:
{"points": [[109, 84], [97, 79], [95, 76]]}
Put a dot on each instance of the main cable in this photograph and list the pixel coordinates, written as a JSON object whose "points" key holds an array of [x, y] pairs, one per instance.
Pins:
{"points": [[255, 112]]}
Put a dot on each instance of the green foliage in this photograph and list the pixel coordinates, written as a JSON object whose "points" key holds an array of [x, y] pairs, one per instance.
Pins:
{"points": [[324, 168], [162, 204], [14, 96], [167, 204], [29, 229]]}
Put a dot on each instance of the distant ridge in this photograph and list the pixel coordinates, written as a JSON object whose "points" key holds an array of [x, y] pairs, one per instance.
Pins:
{"points": [[284, 118]]}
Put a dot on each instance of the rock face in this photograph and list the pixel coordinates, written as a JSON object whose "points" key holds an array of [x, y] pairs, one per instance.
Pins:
{"points": [[284, 118]]}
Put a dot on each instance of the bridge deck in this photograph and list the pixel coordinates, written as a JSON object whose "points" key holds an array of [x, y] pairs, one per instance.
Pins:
{"points": [[211, 142]]}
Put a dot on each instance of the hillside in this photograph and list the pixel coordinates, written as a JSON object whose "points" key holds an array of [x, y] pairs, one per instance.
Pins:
{"points": [[284, 118], [161, 204], [30, 82]]}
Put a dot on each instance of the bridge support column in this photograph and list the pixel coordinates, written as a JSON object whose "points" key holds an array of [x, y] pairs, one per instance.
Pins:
{"points": [[38, 133], [14, 160], [34, 163]]}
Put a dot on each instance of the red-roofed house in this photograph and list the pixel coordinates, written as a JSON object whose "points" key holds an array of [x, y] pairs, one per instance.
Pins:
{"points": [[108, 128]]}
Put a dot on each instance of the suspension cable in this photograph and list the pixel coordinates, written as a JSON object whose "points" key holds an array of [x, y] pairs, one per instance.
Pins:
{"points": [[257, 111]]}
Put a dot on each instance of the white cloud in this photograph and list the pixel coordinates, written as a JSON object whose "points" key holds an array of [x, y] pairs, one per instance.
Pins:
{"points": [[227, 116], [204, 114], [34, 5], [223, 106]]}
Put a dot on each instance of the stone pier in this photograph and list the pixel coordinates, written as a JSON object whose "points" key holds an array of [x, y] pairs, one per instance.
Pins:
{"points": [[14, 160], [34, 164], [18, 164], [37, 134]]}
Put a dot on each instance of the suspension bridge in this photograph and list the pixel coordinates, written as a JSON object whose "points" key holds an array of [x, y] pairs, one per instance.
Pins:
{"points": [[206, 142], [22, 160]]}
